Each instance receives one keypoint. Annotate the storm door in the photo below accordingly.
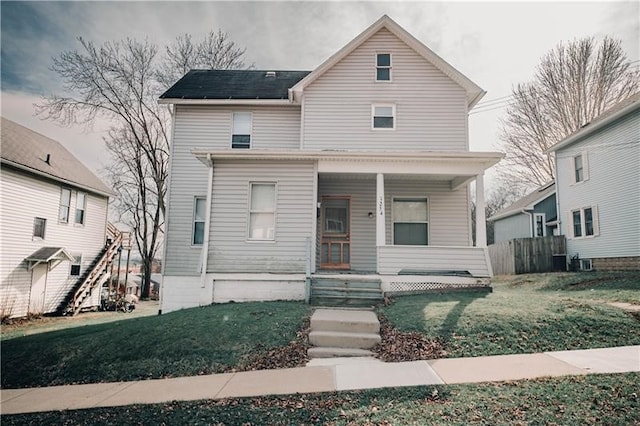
(335, 247)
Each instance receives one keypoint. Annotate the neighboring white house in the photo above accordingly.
(360, 167)
(598, 189)
(533, 215)
(53, 224)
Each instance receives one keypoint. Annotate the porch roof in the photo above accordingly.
(458, 166)
(47, 255)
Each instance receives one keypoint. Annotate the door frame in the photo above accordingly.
(335, 239)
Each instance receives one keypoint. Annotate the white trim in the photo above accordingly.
(271, 102)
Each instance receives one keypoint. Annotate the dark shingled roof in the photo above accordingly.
(234, 84)
(24, 147)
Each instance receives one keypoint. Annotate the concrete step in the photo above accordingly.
(345, 283)
(338, 352)
(340, 339)
(341, 301)
(345, 321)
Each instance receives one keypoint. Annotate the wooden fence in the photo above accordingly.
(527, 255)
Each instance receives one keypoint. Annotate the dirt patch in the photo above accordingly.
(592, 283)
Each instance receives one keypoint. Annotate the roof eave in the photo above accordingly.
(182, 101)
(56, 178)
(590, 128)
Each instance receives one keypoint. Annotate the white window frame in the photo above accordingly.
(373, 116)
(586, 265)
(195, 220)
(595, 225)
(233, 128)
(388, 67)
(76, 262)
(81, 208)
(536, 216)
(44, 228)
(273, 211)
(585, 168)
(393, 221)
(64, 206)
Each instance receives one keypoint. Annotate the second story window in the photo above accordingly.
(241, 136)
(65, 204)
(578, 168)
(383, 116)
(199, 217)
(81, 207)
(383, 67)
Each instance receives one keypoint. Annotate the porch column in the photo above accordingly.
(481, 225)
(380, 216)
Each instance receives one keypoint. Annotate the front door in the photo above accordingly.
(335, 248)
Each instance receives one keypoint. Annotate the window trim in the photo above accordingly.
(595, 224)
(67, 206)
(424, 198)
(44, 229)
(233, 114)
(83, 209)
(373, 116)
(535, 224)
(194, 221)
(585, 168)
(274, 212)
(378, 67)
(77, 262)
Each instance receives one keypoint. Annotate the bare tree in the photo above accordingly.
(573, 84)
(121, 81)
(501, 196)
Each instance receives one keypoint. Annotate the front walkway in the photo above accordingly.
(323, 375)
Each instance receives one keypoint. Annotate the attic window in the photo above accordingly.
(383, 67)
(241, 137)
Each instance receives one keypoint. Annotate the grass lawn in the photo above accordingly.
(526, 313)
(194, 341)
(583, 400)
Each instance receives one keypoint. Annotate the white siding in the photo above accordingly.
(274, 127)
(431, 111)
(23, 198)
(229, 250)
(394, 259)
(516, 226)
(613, 185)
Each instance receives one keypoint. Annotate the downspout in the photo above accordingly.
(207, 224)
(530, 221)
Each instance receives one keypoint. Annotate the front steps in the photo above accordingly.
(345, 291)
(343, 333)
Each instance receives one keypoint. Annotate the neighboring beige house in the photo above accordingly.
(53, 225)
(358, 170)
(598, 190)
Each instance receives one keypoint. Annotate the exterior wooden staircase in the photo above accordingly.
(97, 274)
(345, 291)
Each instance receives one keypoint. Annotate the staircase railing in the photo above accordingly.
(98, 274)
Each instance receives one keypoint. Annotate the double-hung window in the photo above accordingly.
(75, 266)
(383, 116)
(199, 216)
(584, 222)
(81, 207)
(539, 219)
(242, 126)
(580, 167)
(383, 67)
(262, 211)
(65, 205)
(410, 221)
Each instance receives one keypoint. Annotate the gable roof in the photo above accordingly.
(28, 150)
(234, 85)
(474, 92)
(618, 110)
(527, 202)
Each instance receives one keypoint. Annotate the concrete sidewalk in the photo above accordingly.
(323, 375)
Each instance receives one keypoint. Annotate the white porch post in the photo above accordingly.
(380, 215)
(481, 226)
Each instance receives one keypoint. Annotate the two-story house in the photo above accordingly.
(598, 189)
(54, 230)
(359, 168)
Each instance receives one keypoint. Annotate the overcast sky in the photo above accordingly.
(495, 44)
